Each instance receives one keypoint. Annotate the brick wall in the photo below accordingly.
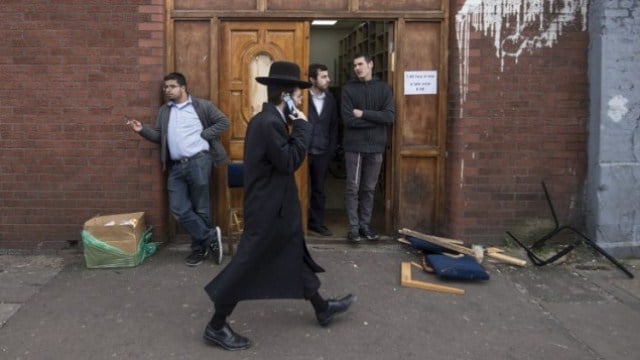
(518, 119)
(70, 72)
(73, 69)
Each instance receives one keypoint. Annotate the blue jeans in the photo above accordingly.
(189, 200)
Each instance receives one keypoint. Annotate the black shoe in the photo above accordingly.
(215, 246)
(353, 236)
(226, 338)
(320, 229)
(368, 233)
(335, 307)
(196, 257)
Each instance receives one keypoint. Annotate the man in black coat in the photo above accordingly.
(272, 261)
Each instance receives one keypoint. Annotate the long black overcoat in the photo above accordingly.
(272, 249)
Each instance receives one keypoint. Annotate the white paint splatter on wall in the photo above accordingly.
(515, 25)
(617, 108)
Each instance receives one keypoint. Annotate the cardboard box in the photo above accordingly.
(123, 231)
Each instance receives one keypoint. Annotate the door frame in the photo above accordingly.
(399, 19)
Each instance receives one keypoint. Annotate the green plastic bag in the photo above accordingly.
(98, 254)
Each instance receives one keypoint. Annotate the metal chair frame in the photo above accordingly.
(582, 239)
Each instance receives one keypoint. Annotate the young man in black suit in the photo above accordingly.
(323, 117)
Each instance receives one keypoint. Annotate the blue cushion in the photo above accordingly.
(235, 175)
(460, 268)
(427, 247)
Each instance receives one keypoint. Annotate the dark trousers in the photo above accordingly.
(318, 169)
(311, 284)
(189, 200)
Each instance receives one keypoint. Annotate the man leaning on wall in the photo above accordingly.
(188, 130)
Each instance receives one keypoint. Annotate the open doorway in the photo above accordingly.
(334, 46)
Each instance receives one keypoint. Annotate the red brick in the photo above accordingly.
(151, 9)
(82, 66)
(91, 63)
(157, 26)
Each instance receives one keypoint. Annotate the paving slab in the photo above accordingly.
(21, 278)
(158, 310)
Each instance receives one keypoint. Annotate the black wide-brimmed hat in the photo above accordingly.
(284, 73)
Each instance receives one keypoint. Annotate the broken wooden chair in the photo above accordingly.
(446, 257)
(407, 280)
(437, 244)
(537, 245)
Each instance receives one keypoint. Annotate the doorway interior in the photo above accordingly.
(334, 46)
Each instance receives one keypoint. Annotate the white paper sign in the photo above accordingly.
(420, 82)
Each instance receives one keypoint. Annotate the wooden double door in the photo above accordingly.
(247, 51)
(222, 58)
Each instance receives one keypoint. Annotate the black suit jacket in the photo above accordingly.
(324, 133)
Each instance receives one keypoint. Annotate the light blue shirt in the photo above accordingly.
(183, 135)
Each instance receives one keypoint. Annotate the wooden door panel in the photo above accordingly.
(406, 5)
(238, 126)
(421, 118)
(246, 50)
(420, 135)
(192, 50)
(417, 192)
(232, 84)
(241, 43)
(421, 125)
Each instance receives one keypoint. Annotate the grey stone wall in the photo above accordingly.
(613, 179)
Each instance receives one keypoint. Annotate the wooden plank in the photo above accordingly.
(405, 5)
(444, 242)
(407, 281)
(405, 241)
(236, 5)
(325, 5)
(506, 258)
(498, 254)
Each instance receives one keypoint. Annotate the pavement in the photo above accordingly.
(53, 307)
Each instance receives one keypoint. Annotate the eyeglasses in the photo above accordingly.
(170, 86)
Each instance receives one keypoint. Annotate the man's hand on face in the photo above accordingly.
(301, 116)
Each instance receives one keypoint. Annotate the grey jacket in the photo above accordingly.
(214, 123)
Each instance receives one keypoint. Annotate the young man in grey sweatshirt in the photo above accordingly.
(367, 112)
